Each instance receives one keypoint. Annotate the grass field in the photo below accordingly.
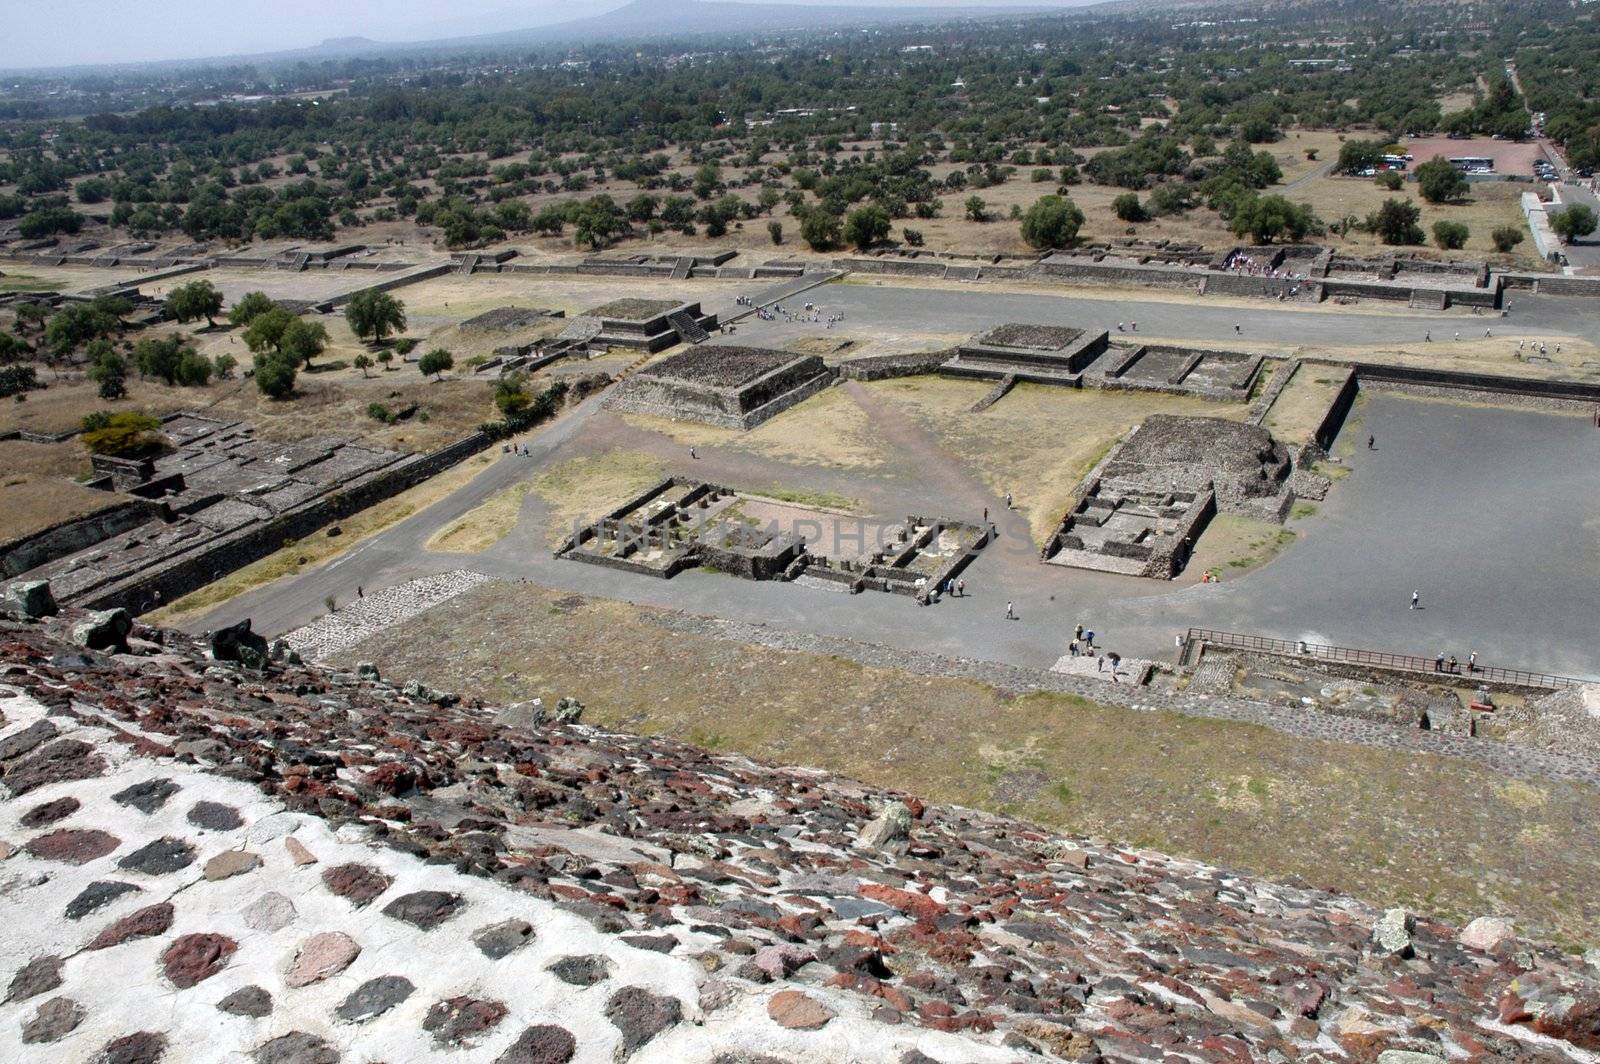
(483, 526)
(581, 489)
(1302, 406)
(1038, 442)
(1351, 818)
(1232, 546)
(30, 504)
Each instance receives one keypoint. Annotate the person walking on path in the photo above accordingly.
(693, 457)
(961, 589)
(1372, 442)
(1008, 501)
(1472, 662)
(1238, 330)
(1011, 614)
(1416, 599)
(1077, 633)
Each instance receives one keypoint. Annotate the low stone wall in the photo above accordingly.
(69, 537)
(883, 367)
(390, 283)
(1479, 382)
(1328, 428)
(187, 571)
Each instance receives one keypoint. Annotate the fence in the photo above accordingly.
(1379, 659)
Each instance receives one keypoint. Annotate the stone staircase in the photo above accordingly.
(681, 271)
(469, 263)
(998, 392)
(687, 328)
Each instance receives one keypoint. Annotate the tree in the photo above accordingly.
(977, 210)
(1129, 209)
(195, 300)
(121, 435)
(1390, 181)
(267, 328)
(1506, 237)
(249, 308)
(194, 369)
(435, 362)
(820, 229)
(1053, 222)
(1358, 155)
(1439, 182)
(1396, 222)
(384, 358)
(867, 225)
(364, 363)
(224, 366)
(77, 324)
(109, 371)
(775, 231)
(913, 237)
(1451, 236)
(1577, 220)
(274, 375)
(1267, 218)
(158, 358)
(303, 340)
(375, 314)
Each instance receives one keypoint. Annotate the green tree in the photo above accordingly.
(121, 435)
(194, 369)
(267, 328)
(1506, 237)
(364, 363)
(913, 237)
(77, 324)
(158, 358)
(977, 209)
(775, 231)
(820, 229)
(1451, 236)
(375, 314)
(1052, 222)
(1269, 218)
(706, 181)
(303, 340)
(1439, 182)
(1389, 181)
(1396, 222)
(195, 300)
(867, 225)
(435, 362)
(249, 308)
(274, 375)
(224, 365)
(109, 370)
(1574, 222)
(1128, 208)
(384, 358)
(1358, 155)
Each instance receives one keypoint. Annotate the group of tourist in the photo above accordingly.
(1440, 664)
(1246, 265)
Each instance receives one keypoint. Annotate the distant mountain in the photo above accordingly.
(663, 18)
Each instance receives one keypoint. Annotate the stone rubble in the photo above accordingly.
(367, 616)
(205, 862)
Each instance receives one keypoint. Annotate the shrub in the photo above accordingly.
(274, 375)
(1129, 209)
(121, 435)
(1506, 237)
(379, 412)
(15, 380)
(1390, 181)
(1053, 222)
(1452, 236)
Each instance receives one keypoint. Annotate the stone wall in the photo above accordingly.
(69, 537)
(190, 570)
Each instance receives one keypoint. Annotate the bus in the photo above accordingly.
(1473, 164)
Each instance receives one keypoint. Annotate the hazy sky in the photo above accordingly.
(65, 32)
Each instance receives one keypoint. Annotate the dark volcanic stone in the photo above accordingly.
(149, 921)
(238, 643)
(375, 997)
(502, 939)
(104, 630)
(457, 1020)
(38, 976)
(249, 1001)
(28, 739)
(424, 909)
(159, 857)
(148, 796)
(72, 846)
(143, 1047)
(297, 1047)
(60, 762)
(214, 816)
(193, 959)
(356, 883)
(50, 812)
(653, 943)
(582, 970)
(641, 1015)
(54, 1020)
(96, 896)
(544, 1044)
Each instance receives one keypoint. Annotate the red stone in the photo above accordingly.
(193, 959)
(147, 922)
(72, 846)
(798, 1012)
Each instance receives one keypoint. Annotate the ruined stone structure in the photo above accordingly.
(650, 324)
(681, 523)
(1046, 354)
(207, 861)
(1143, 510)
(725, 386)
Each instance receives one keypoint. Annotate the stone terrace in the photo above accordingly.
(205, 862)
(726, 386)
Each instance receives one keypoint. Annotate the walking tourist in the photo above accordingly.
(1416, 599)
(1011, 614)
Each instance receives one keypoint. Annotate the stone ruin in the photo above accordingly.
(650, 325)
(726, 386)
(1075, 358)
(681, 523)
(207, 860)
(1143, 510)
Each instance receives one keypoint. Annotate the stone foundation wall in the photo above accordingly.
(69, 537)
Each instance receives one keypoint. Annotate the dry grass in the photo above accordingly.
(1488, 206)
(1351, 818)
(320, 548)
(459, 298)
(61, 406)
(581, 489)
(1038, 442)
(828, 430)
(67, 461)
(1232, 546)
(483, 526)
(1301, 407)
(30, 504)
